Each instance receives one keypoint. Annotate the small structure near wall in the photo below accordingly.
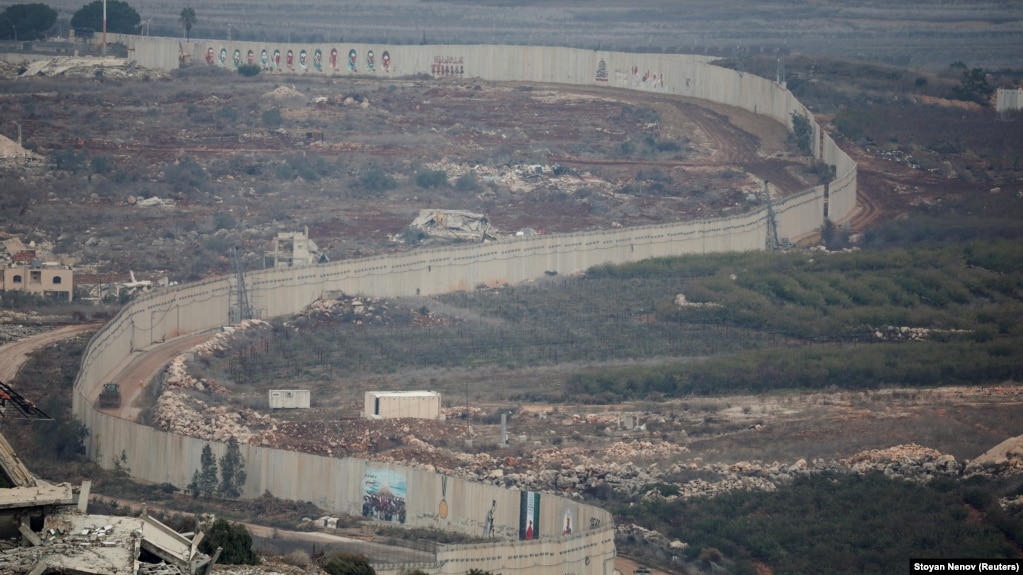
(289, 399)
(396, 404)
(292, 249)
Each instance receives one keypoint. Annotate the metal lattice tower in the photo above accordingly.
(242, 307)
(772, 222)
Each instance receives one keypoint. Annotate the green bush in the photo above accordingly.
(375, 180)
(340, 563)
(432, 179)
(272, 118)
(249, 70)
(235, 541)
(467, 182)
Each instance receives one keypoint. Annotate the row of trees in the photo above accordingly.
(33, 21)
(232, 473)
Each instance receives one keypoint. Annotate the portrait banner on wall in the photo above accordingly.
(529, 515)
(383, 495)
(566, 523)
(264, 58)
(237, 57)
(488, 522)
(277, 58)
(352, 60)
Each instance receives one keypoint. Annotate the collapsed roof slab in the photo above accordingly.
(22, 497)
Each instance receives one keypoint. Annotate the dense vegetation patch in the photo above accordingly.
(851, 524)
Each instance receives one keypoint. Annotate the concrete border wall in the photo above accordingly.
(339, 485)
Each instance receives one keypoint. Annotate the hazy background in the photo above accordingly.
(983, 33)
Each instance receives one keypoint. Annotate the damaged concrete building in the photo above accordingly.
(45, 528)
(290, 249)
(454, 224)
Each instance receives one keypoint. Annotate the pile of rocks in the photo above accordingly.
(910, 461)
(903, 333)
(176, 376)
(1004, 458)
(178, 413)
(345, 309)
(221, 342)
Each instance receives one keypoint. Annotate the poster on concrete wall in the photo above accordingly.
(529, 515)
(383, 495)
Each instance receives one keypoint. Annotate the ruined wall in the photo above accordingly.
(431, 500)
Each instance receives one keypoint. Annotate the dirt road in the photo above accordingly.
(141, 370)
(13, 355)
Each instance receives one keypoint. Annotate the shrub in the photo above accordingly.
(432, 179)
(102, 164)
(249, 70)
(233, 538)
(339, 563)
(272, 118)
(467, 182)
(376, 181)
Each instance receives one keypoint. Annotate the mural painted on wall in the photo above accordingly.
(250, 58)
(371, 65)
(383, 495)
(442, 509)
(264, 59)
(223, 57)
(333, 59)
(277, 59)
(385, 59)
(353, 57)
(236, 57)
(289, 58)
(303, 59)
(318, 60)
(448, 66)
(634, 78)
(488, 523)
(602, 71)
(567, 527)
(529, 515)
(209, 56)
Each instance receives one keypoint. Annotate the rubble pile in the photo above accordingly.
(176, 376)
(178, 413)
(221, 342)
(903, 333)
(283, 93)
(909, 461)
(1004, 458)
(345, 309)
(88, 67)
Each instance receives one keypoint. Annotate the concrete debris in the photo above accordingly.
(454, 224)
(153, 202)
(74, 542)
(86, 66)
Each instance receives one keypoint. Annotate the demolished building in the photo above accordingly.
(454, 224)
(45, 528)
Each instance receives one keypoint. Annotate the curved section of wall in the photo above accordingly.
(342, 485)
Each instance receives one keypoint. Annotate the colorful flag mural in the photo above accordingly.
(529, 515)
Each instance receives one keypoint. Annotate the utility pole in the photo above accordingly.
(103, 50)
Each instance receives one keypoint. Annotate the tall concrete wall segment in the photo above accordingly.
(426, 498)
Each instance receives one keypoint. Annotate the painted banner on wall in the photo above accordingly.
(383, 495)
(529, 515)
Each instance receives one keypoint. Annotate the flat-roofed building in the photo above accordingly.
(395, 404)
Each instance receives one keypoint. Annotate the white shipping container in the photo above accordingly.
(289, 399)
